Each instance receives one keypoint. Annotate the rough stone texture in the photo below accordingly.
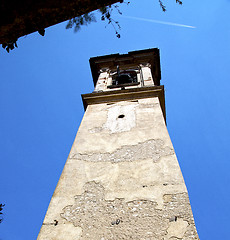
(118, 219)
(153, 149)
(121, 179)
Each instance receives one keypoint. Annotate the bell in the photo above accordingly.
(124, 78)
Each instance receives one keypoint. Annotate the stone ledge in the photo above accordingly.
(124, 95)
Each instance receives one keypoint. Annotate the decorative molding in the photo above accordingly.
(145, 65)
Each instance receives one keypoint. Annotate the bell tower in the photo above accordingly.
(122, 179)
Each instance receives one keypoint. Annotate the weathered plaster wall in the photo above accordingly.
(121, 179)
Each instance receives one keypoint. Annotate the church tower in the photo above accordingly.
(122, 179)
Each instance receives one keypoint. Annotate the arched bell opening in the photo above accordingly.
(124, 78)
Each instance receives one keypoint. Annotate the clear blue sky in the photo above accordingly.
(41, 84)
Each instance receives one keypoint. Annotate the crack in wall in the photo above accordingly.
(153, 149)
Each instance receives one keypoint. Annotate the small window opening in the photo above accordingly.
(121, 116)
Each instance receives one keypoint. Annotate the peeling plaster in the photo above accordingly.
(153, 149)
(177, 228)
(139, 219)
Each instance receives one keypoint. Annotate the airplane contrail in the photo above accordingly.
(157, 21)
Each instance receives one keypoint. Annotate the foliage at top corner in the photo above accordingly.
(106, 15)
(87, 18)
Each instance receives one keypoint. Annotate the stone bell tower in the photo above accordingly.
(122, 179)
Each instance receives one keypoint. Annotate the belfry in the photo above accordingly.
(122, 179)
